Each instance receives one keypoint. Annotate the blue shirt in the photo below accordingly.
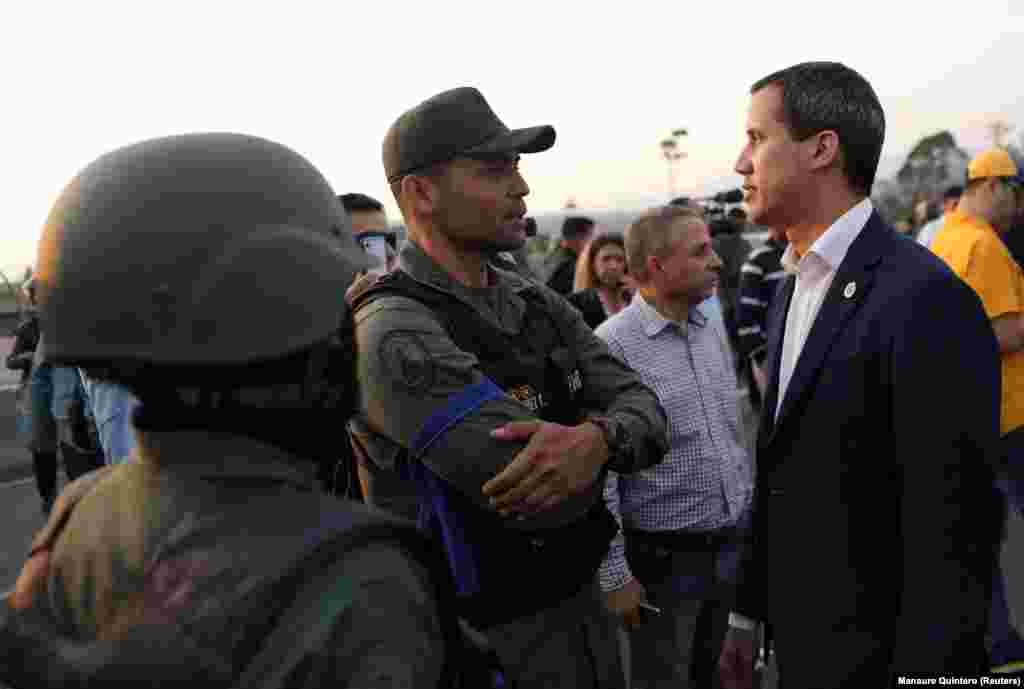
(112, 406)
(704, 483)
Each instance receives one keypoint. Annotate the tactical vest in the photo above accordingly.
(490, 561)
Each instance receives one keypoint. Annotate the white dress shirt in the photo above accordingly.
(814, 273)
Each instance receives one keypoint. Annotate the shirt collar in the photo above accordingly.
(832, 246)
(653, 322)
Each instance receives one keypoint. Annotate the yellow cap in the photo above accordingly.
(995, 162)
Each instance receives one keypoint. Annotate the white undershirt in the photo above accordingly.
(815, 271)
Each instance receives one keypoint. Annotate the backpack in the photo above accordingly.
(468, 663)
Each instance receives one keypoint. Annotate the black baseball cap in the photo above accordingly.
(455, 123)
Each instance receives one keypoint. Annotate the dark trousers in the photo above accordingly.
(44, 466)
(76, 462)
(1006, 643)
(808, 660)
(691, 578)
(571, 644)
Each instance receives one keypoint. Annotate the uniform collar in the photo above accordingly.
(653, 322)
(419, 265)
(507, 286)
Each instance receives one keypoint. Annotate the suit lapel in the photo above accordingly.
(776, 329)
(849, 287)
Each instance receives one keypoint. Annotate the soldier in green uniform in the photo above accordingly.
(506, 408)
(214, 560)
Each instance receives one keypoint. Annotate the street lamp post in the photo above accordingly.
(671, 151)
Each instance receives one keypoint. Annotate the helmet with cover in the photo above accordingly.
(198, 263)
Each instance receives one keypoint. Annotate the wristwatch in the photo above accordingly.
(616, 437)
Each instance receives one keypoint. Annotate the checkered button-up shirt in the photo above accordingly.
(704, 483)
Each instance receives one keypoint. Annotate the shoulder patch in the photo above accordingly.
(406, 362)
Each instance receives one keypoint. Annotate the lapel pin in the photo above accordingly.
(851, 289)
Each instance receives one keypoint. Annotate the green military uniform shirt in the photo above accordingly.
(409, 367)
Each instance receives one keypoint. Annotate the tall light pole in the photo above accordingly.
(671, 151)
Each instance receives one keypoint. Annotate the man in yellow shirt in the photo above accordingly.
(971, 242)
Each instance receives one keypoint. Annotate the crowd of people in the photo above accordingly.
(426, 464)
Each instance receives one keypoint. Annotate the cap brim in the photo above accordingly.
(528, 140)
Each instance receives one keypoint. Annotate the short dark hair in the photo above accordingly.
(817, 96)
(360, 202)
(954, 192)
(680, 201)
(576, 226)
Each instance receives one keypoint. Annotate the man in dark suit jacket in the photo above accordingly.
(875, 520)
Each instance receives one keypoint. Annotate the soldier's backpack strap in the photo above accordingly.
(397, 283)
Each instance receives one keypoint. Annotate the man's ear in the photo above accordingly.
(420, 193)
(824, 149)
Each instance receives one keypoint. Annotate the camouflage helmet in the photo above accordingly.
(199, 249)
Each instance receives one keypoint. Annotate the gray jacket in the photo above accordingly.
(409, 367)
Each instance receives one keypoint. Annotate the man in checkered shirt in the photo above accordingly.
(681, 518)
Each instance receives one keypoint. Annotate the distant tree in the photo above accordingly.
(934, 164)
(930, 160)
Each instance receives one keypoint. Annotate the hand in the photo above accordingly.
(624, 603)
(31, 580)
(736, 663)
(558, 461)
